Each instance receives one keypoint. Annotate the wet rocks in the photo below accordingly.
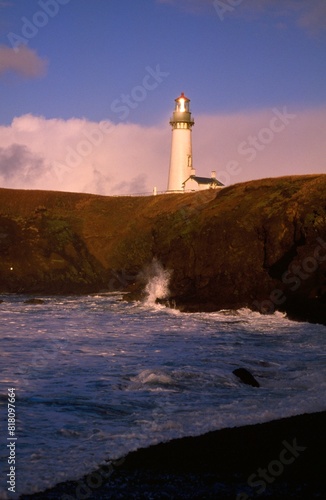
(34, 301)
(246, 377)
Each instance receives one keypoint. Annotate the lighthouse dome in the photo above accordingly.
(182, 112)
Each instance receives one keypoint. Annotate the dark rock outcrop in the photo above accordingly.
(34, 301)
(259, 244)
(246, 377)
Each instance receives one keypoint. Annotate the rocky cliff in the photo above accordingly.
(259, 244)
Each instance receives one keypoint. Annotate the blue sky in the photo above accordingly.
(124, 62)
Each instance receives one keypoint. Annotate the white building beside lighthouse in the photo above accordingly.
(182, 175)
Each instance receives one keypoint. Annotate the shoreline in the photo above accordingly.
(280, 459)
(41, 298)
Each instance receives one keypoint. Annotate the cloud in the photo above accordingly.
(307, 14)
(83, 156)
(24, 62)
(106, 158)
(19, 164)
(136, 185)
(259, 144)
(313, 18)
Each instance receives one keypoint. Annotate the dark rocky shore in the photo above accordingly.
(259, 244)
(282, 459)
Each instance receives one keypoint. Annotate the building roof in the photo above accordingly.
(183, 97)
(205, 180)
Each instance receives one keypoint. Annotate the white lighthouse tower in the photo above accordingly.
(181, 150)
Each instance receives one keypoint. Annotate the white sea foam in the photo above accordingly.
(153, 380)
(157, 282)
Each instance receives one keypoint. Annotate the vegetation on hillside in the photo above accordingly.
(259, 244)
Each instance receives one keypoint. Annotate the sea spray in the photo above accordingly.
(157, 282)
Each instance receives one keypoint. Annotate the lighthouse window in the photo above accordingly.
(182, 105)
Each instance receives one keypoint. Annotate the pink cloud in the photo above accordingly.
(107, 158)
(245, 146)
(24, 62)
(313, 18)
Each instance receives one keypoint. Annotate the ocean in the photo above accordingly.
(96, 377)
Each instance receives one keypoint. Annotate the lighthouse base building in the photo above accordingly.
(195, 183)
(182, 175)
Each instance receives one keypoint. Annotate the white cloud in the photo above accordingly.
(106, 158)
(23, 61)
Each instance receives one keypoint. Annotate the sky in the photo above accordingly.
(87, 88)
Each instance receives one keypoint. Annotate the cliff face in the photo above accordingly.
(260, 244)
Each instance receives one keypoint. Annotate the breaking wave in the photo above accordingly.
(157, 282)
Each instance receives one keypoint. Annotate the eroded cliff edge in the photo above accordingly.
(259, 244)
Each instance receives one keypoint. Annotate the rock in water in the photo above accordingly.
(246, 377)
(34, 301)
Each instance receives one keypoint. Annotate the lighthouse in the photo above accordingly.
(181, 150)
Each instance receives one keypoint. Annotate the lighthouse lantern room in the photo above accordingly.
(181, 149)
